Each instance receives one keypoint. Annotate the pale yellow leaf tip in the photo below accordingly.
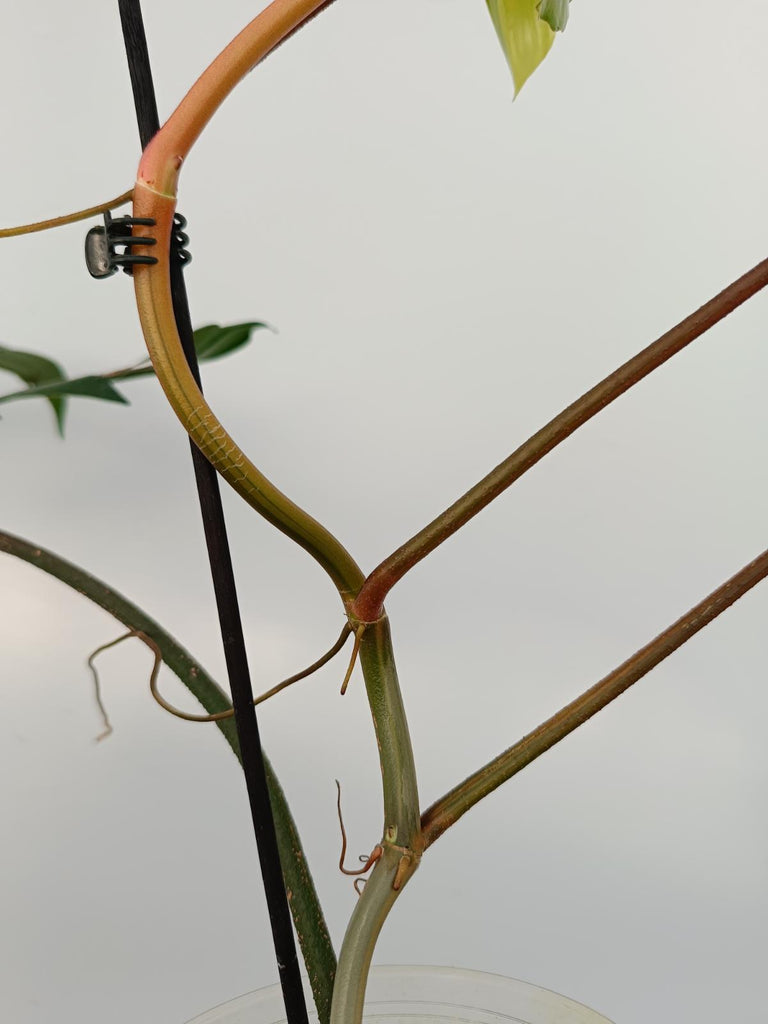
(524, 37)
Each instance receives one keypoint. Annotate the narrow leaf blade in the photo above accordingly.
(525, 38)
(34, 370)
(85, 387)
(31, 367)
(213, 341)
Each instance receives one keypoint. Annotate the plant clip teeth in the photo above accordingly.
(180, 239)
(108, 247)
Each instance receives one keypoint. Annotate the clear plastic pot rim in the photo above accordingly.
(438, 995)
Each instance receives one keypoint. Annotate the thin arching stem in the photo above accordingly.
(446, 811)
(187, 716)
(367, 606)
(68, 218)
(278, 688)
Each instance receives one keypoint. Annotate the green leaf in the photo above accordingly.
(34, 370)
(213, 341)
(46, 378)
(555, 13)
(86, 387)
(525, 38)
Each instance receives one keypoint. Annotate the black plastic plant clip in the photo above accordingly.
(108, 246)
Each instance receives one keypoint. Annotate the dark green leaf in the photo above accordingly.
(203, 337)
(213, 341)
(131, 372)
(87, 387)
(46, 378)
(33, 370)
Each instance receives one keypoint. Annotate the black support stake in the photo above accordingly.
(223, 577)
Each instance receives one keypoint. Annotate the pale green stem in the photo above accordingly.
(401, 841)
(401, 796)
(360, 939)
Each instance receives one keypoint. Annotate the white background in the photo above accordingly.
(447, 269)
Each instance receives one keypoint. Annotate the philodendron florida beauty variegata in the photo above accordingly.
(526, 30)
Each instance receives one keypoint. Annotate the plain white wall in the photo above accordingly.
(447, 269)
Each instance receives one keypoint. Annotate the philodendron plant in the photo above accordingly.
(526, 30)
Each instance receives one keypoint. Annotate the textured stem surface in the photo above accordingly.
(401, 841)
(153, 297)
(401, 796)
(154, 197)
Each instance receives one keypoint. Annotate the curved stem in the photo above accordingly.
(401, 796)
(154, 198)
(401, 843)
(158, 325)
(369, 915)
(314, 938)
(271, 692)
(446, 811)
(368, 604)
(163, 157)
(68, 218)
